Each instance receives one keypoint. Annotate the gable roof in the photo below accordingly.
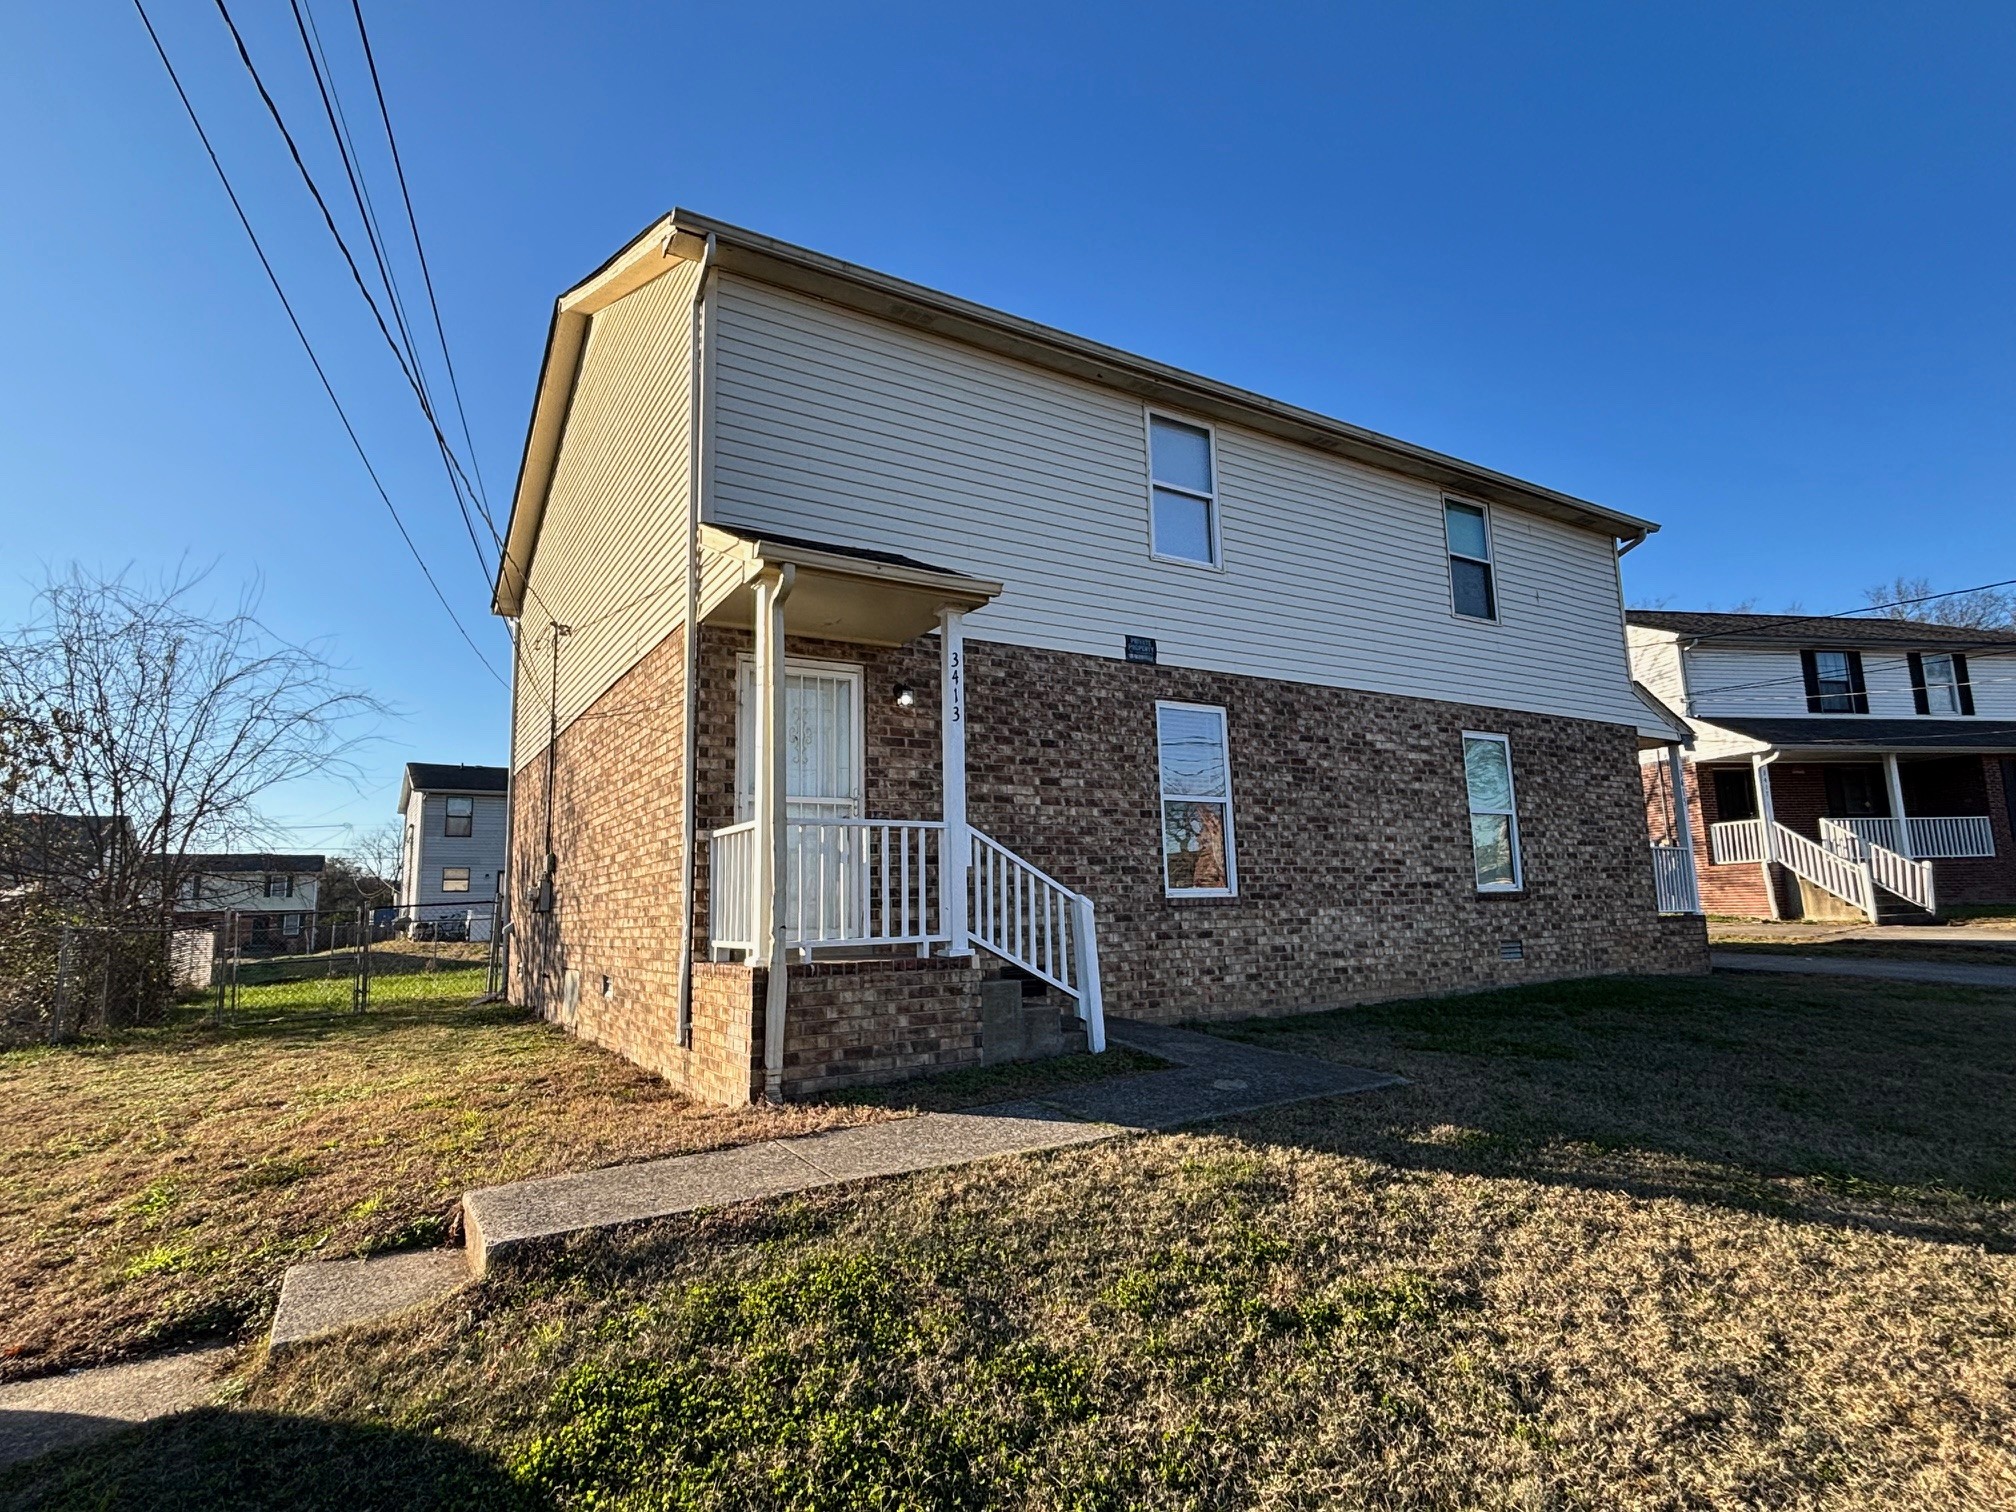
(236, 862)
(444, 777)
(684, 236)
(1819, 630)
(1860, 732)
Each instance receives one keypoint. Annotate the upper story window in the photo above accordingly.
(1834, 682)
(1183, 492)
(461, 818)
(1197, 856)
(1939, 683)
(1494, 816)
(280, 887)
(1467, 529)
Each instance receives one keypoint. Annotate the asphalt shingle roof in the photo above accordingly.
(440, 777)
(1793, 630)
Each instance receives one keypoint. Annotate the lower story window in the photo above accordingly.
(1196, 768)
(1494, 818)
(290, 924)
(454, 879)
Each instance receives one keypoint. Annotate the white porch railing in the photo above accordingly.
(1032, 920)
(877, 882)
(1909, 879)
(1846, 877)
(867, 882)
(1933, 838)
(1674, 881)
(1736, 840)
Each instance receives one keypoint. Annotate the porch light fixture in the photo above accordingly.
(906, 696)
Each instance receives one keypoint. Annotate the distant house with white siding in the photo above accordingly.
(269, 896)
(453, 851)
(1840, 766)
(881, 656)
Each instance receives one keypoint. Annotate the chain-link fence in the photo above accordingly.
(410, 956)
(60, 978)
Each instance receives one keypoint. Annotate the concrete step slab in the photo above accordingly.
(56, 1412)
(326, 1296)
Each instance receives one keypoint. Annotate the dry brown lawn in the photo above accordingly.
(158, 1185)
(1745, 1242)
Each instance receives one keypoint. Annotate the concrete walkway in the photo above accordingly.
(1943, 973)
(1208, 1078)
(56, 1412)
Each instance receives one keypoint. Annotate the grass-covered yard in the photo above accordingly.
(1623, 1244)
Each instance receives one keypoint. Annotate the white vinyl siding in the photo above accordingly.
(842, 428)
(609, 550)
(1766, 682)
(429, 850)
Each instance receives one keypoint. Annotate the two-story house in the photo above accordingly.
(270, 896)
(874, 648)
(452, 853)
(1840, 767)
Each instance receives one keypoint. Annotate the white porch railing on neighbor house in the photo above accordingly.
(877, 882)
(1909, 879)
(868, 882)
(1736, 840)
(1674, 880)
(1938, 838)
(1846, 877)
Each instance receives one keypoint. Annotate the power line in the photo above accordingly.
(307, 346)
(426, 273)
(1770, 623)
(448, 456)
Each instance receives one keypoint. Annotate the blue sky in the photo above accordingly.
(1743, 269)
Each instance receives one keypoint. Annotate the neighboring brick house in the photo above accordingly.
(272, 897)
(452, 853)
(1814, 737)
(872, 646)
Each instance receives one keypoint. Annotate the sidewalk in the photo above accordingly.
(1209, 1078)
(1943, 973)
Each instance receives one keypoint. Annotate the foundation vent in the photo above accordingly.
(1511, 950)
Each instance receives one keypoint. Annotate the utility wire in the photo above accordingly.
(356, 274)
(307, 346)
(1770, 623)
(426, 274)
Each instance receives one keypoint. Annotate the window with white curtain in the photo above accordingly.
(1196, 766)
(1494, 817)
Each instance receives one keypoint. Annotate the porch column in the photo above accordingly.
(772, 834)
(1683, 819)
(957, 856)
(1760, 771)
(1895, 783)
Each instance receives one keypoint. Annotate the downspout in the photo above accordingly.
(773, 754)
(1760, 763)
(505, 881)
(695, 507)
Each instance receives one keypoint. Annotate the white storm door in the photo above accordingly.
(823, 756)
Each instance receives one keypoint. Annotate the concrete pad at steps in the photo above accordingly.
(55, 1412)
(326, 1296)
(944, 1139)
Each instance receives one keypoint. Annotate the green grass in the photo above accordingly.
(1624, 1244)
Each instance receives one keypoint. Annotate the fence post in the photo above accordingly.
(65, 963)
(361, 996)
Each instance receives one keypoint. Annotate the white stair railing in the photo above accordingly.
(1031, 920)
(1846, 877)
(1908, 879)
(1673, 881)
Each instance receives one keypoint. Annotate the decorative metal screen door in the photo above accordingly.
(822, 784)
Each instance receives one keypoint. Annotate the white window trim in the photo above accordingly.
(1950, 687)
(1148, 418)
(1231, 888)
(745, 666)
(1489, 563)
(1518, 882)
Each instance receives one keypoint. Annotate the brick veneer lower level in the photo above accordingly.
(1353, 853)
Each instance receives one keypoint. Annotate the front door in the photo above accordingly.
(823, 752)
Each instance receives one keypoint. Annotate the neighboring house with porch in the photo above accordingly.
(881, 659)
(272, 897)
(1840, 767)
(453, 850)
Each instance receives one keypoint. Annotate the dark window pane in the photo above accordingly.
(1471, 582)
(1193, 845)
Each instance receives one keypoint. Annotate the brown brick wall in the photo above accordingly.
(852, 1023)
